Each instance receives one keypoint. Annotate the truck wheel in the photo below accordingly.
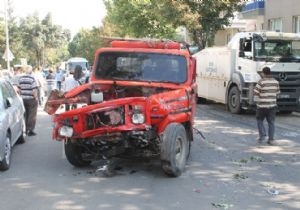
(74, 154)
(5, 163)
(234, 103)
(201, 100)
(174, 150)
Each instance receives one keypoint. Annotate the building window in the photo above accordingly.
(296, 24)
(275, 24)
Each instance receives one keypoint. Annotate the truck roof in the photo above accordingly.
(77, 59)
(271, 35)
(147, 46)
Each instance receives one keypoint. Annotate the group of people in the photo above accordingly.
(29, 84)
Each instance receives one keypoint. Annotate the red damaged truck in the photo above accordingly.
(140, 103)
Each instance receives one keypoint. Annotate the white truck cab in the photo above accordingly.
(72, 62)
(228, 74)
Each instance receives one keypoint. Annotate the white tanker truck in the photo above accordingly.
(228, 74)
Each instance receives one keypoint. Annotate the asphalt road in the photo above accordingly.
(227, 170)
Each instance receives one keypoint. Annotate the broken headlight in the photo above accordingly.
(65, 131)
(138, 118)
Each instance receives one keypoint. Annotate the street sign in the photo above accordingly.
(8, 56)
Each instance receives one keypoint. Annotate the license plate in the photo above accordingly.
(284, 96)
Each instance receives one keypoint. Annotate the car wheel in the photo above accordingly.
(74, 154)
(21, 139)
(5, 163)
(174, 149)
(234, 103)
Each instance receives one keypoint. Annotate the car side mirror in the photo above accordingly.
(242, 54)
(8, 103)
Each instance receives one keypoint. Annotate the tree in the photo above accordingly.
(204, 18)
(155, 18)
(85, 43)
(40, 36)
(139, 18)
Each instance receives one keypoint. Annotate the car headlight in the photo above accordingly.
(65, 131)
(138, 118)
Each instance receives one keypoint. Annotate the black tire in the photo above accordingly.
(174, 150)
(21, 139)
(74, 154)
(201, 100)
(234, 102)
(5, 163)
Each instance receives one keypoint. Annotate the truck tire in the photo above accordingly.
(74, 154)
(234, 103)
(174, 149)
(5, 163)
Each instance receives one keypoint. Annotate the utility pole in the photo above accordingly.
(7, 34)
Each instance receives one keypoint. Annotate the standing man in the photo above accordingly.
(59, 77)
(40, 84)
(51, 82)
(28, 91)
(266, 90)
(71, 82)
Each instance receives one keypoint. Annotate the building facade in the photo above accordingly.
(268, 15)
(282, 15)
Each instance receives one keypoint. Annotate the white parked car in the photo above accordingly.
(12, 122)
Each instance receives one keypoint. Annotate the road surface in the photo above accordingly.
(226, 170)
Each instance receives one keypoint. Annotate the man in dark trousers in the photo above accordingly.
(266, 91)
(28, 91)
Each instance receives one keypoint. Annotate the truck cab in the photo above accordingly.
(72, 62)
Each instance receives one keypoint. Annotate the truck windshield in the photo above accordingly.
(137, 66)
(277, 50)
(72, 65)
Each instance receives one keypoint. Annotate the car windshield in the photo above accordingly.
(137, 66)
(278, 50)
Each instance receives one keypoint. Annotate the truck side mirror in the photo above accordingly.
(242, 54)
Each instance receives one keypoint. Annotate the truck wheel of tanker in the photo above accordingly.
(74, 154)
(201, 100)
(234, 103)
(174, 150)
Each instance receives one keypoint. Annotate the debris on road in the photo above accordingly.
(222, 205)
(273, 192)
(240, 176)
(199, 132)
(105, 171)
(243, 161)
(197, 190)
(132, 171)
(257, 158)
(251, 159)
(278, 163)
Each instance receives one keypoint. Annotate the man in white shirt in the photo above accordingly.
(71, 82)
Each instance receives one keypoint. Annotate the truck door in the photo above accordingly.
(245, 56)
